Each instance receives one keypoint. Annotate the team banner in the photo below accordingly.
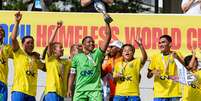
(184, 30)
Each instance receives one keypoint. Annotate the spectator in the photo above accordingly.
(37, 5)
(88, 5)
(191, 6)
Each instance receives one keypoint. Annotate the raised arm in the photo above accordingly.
(179, 57)
(51, 41)
(193, 59)
(108, 1)
(27, 1)
(144, 54)
(85, 2)
(186, 5)
(107, 39)
(15, 44)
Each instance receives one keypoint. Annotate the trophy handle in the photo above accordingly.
(107, 18)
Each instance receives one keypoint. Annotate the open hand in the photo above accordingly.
(69, 93)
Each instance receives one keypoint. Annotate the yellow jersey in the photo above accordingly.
(193, 94)
(165, 88)
(128, 85)
(25, 72)
(6, 52)
(57, 75)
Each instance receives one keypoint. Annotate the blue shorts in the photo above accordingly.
(3, 91)
(126, 98)
(167, 99)
(19, 96)
(52, 96)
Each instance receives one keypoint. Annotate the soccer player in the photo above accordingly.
(5, 53)
(192, 93)
(162, 66)
(86, 67)
(26, 65)
(127, 73)
(57, 70)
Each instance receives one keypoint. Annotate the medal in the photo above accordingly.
(91, 59)
(30, 70)
(166, 64)
(164, 77)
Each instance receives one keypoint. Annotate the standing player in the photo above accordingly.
(162, 66)
(86, 67)
(26, 64)
(5, 53)
(127, 73)
(57, 70)
(191, 93)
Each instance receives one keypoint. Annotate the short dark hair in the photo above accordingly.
(187, 59)
(26, 37)
(130, 45)
(169, 39)
(86, 38)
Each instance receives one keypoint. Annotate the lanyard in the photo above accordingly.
(123, 67)
(61, 70)
(30, 60)
(91, 59)
(166, 64)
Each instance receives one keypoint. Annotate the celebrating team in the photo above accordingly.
(114, 62)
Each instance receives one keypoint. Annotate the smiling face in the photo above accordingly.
(128, 52)
(88, 44)
(164, 45)
(28, 45)
(114, 50)
(58, 49)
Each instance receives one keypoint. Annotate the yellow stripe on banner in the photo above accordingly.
(185, 30)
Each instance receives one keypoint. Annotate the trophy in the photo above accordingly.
(100, 7)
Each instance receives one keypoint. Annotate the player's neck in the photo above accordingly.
(166, 52)
(128, 60)
(86, 52)
(117, 55)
